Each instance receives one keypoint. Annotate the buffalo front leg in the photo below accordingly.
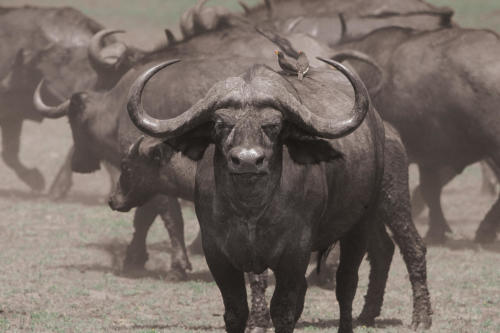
(174, 223)
(380, 252)
(432, 181)
(487, 231)
(137, 254)
(352, 250)
(11, 136)
(231, 283)
(287, 302)
(64, 178)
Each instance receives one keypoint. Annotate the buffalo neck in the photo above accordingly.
(248, 196)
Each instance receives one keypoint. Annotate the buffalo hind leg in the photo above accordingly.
(64, 178)
(490, 175)
(417, 202)
(174, 223)
(259, 314)
(11, 136)
(231, 283)
(432, 181)
(352, 250)
(487, 231)
(394, 210)
(195, 248)
(137, 254)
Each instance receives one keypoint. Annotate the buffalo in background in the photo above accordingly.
(49, 43)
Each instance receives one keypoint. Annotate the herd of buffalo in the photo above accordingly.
(282, 155)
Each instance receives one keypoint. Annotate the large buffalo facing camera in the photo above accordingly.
(285, 167)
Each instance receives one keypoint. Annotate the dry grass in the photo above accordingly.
(60, 262)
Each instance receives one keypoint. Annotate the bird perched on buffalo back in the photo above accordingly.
(299, 66)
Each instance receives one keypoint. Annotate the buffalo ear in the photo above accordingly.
(155, 150)
(193, 143)
(306, 149)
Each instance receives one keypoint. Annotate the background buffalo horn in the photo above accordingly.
(95, 47)
(243, 5)
(269, 7)
(49, 111)
(360, 56)
(165, 128)
(170, 37)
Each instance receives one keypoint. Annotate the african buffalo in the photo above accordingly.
(283, 169)
(442, 95)
(41, 42)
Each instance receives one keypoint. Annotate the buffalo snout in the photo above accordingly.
(247, 160)
(117, 202)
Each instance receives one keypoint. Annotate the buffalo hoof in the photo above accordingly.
(59, 191)
(181, 262)
(435, 238)
(34, 179)
(134, 261)
(176, 275)
(366, 319)
(485, 236)
(255, 330)
(421, 321)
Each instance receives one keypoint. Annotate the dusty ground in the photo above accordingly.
(60, 262)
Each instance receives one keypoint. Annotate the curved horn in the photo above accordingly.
(343, 26)
(95, 47)
(200, 112)
(170, 37)
(243, 5)
(329, 128)
(49, 111)
(360, 56)
(294, 23)
(134, 147)
(269, 8)
(164, 128)
(198, 24)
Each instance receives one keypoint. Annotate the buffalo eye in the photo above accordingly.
(222, 128)
(125, 168)
(271, 130)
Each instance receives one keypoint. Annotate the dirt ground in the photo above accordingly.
(60, 262)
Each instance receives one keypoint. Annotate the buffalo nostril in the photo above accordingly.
(235, 160)
(259, 161)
